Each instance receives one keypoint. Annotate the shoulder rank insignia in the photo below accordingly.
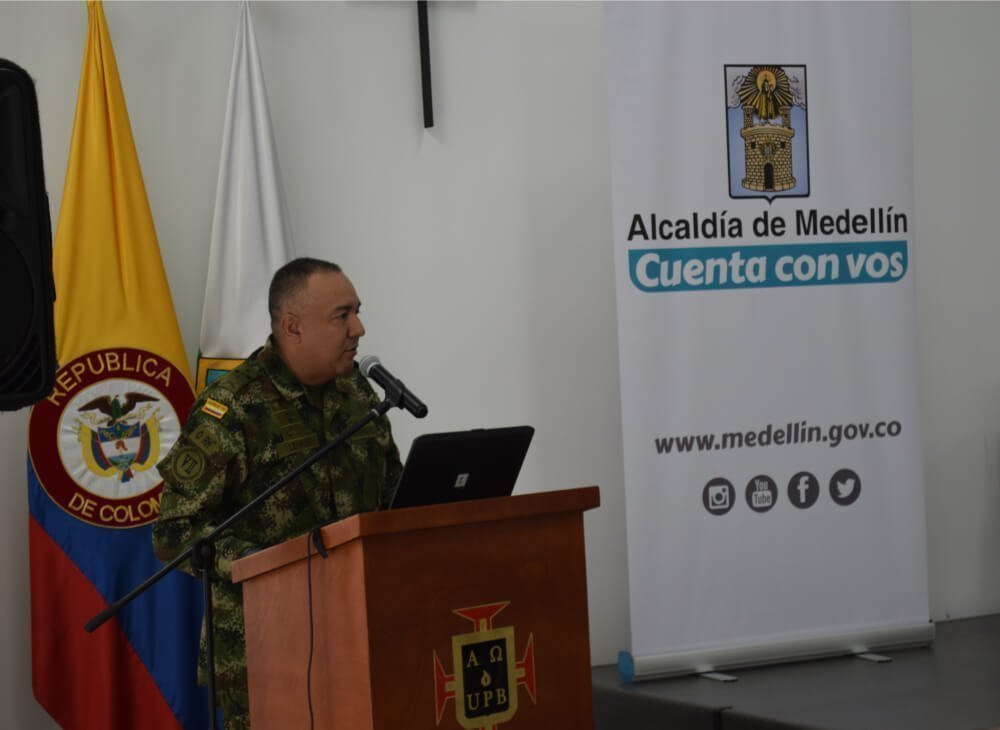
(214, 409)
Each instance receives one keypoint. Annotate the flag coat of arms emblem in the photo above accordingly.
(122, 447)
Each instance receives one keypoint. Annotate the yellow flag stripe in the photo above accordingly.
(111, 289)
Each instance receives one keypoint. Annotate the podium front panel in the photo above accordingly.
(478, 625)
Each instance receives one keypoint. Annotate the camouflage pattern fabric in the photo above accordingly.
(246, 431)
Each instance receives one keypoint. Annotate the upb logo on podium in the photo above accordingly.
(486, 671)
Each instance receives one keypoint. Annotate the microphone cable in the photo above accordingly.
(314, 536)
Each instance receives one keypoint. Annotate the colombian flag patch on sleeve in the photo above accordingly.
(214, 409)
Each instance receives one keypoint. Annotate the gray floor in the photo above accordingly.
(952, 685)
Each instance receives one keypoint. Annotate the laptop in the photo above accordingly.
(462, 465)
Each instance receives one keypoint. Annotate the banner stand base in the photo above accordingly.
(876, 658)
(860, 643)
(719, 677)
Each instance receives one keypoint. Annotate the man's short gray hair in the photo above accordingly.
(289, 281)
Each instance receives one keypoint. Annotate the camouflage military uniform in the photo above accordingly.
(246, 431)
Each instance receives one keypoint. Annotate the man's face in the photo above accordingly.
(326, 313)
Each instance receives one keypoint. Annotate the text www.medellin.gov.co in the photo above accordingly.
(789, 434)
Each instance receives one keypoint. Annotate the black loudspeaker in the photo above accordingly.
(27, 291)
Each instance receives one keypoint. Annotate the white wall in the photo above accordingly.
(957, 175)
(481, 248)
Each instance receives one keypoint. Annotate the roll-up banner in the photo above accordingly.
(763, 243)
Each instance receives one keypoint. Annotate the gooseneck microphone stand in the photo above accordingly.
(201, 553)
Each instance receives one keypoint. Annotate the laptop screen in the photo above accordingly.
(462, 465)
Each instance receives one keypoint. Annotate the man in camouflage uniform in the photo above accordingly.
(254, 425)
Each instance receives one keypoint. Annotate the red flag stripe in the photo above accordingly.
(85, 681)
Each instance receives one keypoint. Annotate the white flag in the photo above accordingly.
(251, 235)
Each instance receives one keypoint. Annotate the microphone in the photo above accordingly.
(372, 368)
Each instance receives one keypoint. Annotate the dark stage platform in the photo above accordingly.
(953, 684)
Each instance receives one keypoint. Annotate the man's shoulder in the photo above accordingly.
(243, 380)
(230, 401)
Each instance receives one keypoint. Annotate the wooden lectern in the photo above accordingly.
(467, 614)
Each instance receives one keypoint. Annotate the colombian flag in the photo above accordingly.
(121, 393)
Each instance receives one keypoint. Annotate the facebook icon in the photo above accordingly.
(803, 490)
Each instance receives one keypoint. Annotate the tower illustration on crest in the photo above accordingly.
(766, 99)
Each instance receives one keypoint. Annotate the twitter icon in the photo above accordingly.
(845, 487)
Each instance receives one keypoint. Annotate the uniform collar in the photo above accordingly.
(290, 386)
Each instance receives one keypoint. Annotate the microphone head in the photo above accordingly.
(366, 364)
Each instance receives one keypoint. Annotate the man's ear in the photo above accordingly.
(289, 326)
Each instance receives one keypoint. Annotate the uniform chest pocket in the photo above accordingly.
(298, 504)
(303, 443)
